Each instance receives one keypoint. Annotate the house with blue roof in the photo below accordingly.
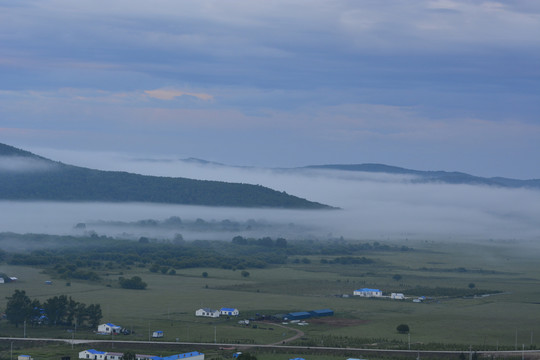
(367, 292)
(194, 355)
(229, 311)
(108, 329)
(93, 354)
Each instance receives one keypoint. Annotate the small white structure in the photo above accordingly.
(366, 292)
(25, 357)
(229, 311)
(397, 296)
(109, 329)
(157, 334)
(207, 312)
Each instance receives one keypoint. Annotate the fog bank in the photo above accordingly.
(374, 206)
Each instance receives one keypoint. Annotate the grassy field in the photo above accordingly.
(505, 319)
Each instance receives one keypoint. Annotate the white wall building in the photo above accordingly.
(92, 354)
(366, 292)
(207, 312)
(229, 311)
(397, 296)
(109, 328)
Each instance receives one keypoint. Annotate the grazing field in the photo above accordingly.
(505, 317)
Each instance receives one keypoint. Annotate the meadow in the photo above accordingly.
(506, 317)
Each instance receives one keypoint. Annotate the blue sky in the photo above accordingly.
(430, 85)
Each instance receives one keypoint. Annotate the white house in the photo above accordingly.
(229, 311)
(157, 334)
(92, 354)
(102, 355)
(397, 296)
(108, 329)
(366, 292)
(207, 312)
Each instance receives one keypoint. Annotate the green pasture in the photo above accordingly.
(507, 318)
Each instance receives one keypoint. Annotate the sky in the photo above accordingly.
(428, 85)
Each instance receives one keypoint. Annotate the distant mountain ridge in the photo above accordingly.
(26, 176)
(453, 177)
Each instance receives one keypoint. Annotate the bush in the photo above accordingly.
(403, 328)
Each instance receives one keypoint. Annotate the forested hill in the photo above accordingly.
(434, 176)
(26, 176)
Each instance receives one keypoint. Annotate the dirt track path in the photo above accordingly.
(299, 333)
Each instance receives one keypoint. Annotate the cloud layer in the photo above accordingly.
(432, 84)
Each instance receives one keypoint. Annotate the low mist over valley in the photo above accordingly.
(372, 205)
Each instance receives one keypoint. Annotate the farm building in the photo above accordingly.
(108, 329)
(299, 315)
(322, 312)
(366, 292)
(157, 334)
(25, 357)
(229, 311)
(195, 355)
(397, 296)
(102, 355)
(207, 312)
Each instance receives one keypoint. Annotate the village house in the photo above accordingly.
(93, 354)
(109, 329)
(397, 296)
(366, 292)
(157, 334)
(207, 312)
(229, 311)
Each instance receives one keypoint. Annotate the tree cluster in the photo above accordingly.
(134, 283)
(58, 310)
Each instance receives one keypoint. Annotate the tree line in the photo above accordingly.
(85, 258)
(55, 311)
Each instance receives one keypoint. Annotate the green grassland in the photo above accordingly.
(508, 271)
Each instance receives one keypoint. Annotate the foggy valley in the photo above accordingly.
(371, 205)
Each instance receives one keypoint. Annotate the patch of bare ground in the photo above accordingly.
(337, 322)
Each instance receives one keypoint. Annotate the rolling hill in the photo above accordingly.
(26, 176)
(434, 176)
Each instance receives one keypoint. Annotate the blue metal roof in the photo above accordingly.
(227, 309)
(368, 289)
(179, 356)
(322, 312)
(112, 325)
(94, 351)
